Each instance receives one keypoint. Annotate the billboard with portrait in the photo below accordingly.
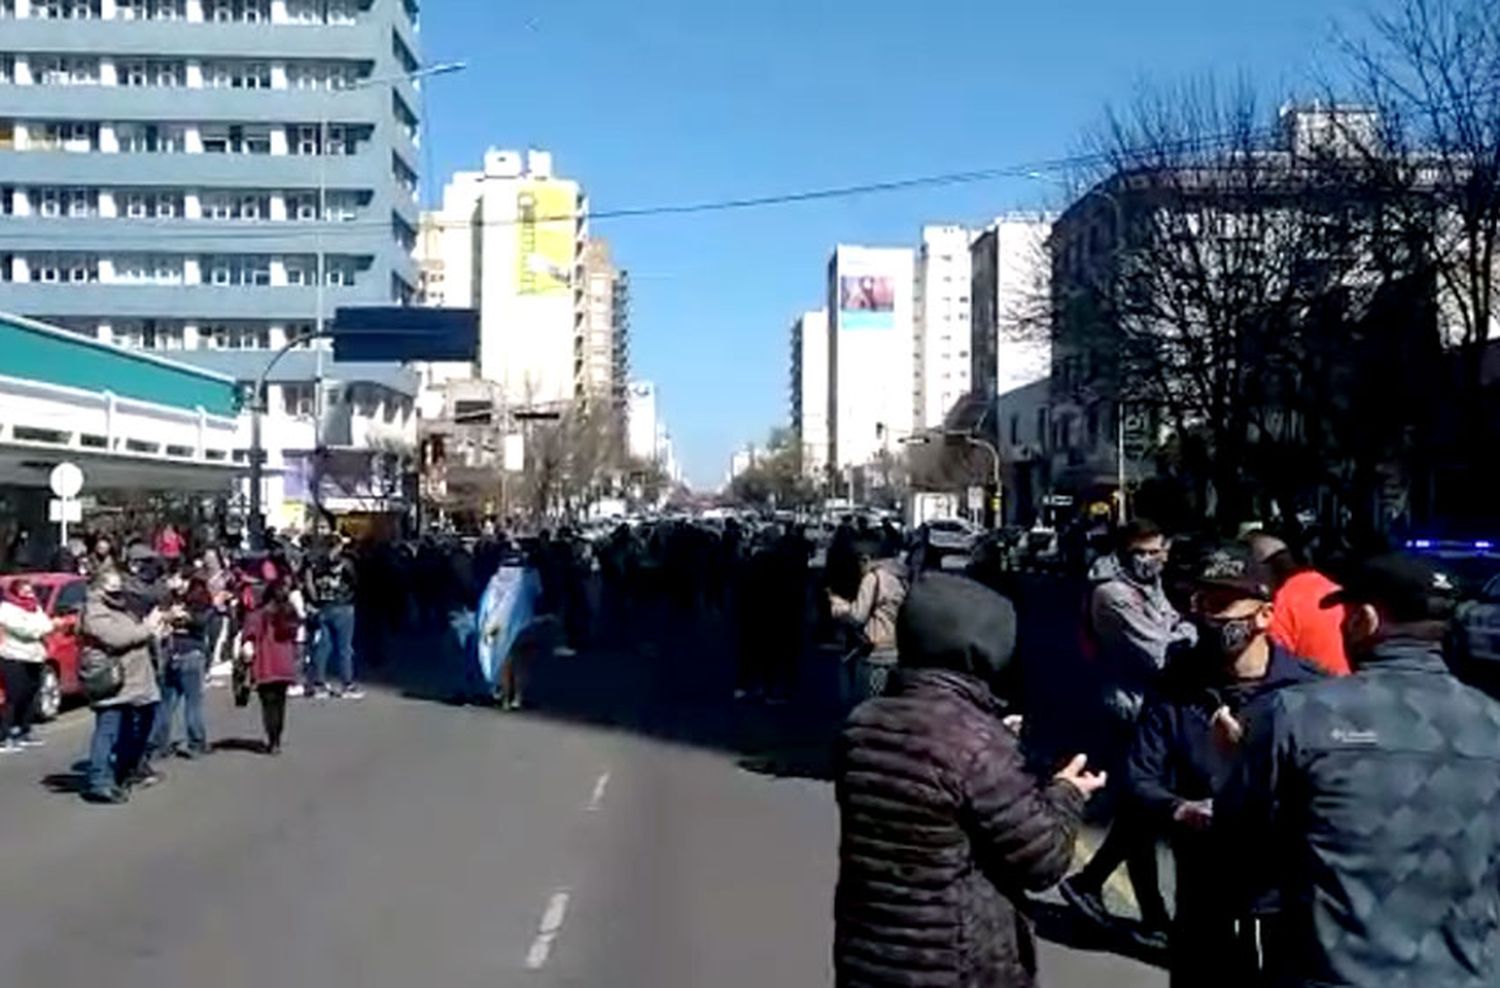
(546, 221)
(867, 301)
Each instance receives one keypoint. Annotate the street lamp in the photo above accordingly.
(1116, 248)
(319, 331)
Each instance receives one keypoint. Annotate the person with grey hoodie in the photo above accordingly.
(1133, 626)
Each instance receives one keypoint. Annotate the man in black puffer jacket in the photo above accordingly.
(942, 828)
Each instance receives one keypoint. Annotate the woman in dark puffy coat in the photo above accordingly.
(941, 825)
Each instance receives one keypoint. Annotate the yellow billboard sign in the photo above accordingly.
(546, 229)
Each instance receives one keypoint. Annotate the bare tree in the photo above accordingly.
(1209, 279)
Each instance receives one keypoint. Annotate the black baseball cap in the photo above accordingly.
(1408, 588)
(1230, 566)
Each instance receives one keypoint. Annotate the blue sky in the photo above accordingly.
(666, 101)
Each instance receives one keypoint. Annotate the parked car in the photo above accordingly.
(62, 596)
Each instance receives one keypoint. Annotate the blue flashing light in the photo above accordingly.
(1420, 543)
(1484, 544)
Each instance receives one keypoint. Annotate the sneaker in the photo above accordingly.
(322, 693)
(296, 689)
(9, 746)
(352, 693)
(30, 741)
(1152, 939)
(273, 749)
(146, 780)
(189, 753)
(1085, 902)
(112, 796)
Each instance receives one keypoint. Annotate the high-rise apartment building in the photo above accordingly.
(1011, 304)
(809, 391)
(601, 347)
(941, 333)
(870, 350)
(511, 246)
(200, 176)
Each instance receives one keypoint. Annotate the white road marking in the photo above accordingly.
(597, 799)
(552, 921)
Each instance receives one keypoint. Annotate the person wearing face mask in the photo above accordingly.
(1133, 626)
(1186, 747)
(1371, 802)
(941, 827)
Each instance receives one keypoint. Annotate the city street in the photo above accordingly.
(634, 828)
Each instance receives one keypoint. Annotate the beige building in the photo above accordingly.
(601, 345)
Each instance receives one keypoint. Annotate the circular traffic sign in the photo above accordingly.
(66, 480)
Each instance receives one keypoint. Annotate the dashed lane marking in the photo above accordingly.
(596, 800)
(552, 921)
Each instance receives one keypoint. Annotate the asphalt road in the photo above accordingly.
(636, 828)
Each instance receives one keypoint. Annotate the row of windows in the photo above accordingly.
(247, 270)
(214, 11)
(90, 70)
(139, 138)
(248, 206)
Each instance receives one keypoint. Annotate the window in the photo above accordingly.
(307, 140)
(302, 206)
(138, 138)
(235, 336)
(215, 140)
(341, 11)
(65, 10)
(82, 202)
(336, 143)
(59, 268)
(301, 271)
(149, 334)
(297, 399)
(248, 206)
(169, 74)
(64, 71)
(132, 73)
(246, 270)
(338, 272)
(136, 207)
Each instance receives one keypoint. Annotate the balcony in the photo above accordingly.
(187, 105)
(371, 36)
(367, 170)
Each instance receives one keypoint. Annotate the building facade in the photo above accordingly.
(941, 329)
(205, 177)
(1010, 279)
(871, 373)
(602, 346)
(511, 245)
(809, 392)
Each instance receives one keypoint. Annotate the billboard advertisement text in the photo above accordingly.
(545, 214)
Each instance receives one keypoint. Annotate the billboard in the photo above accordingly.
(867, 301)
(546, 220)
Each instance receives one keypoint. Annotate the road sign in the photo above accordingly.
(402, 333)
(976, 498)
(66, 480)
(514, 453)
(62, 511)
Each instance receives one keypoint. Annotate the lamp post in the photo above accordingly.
(974, 441)
(319, 330)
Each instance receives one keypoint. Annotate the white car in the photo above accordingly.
(952, 534)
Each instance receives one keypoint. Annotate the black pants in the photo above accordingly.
(23, 680)
(273, 710)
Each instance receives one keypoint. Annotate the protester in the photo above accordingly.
(270, 636)
(1186, 748)
(1371, 802)
(941, 827)
(122, 722)
(24, 627)
(1133, 625)
(331, 593)
(872, 616)
(1301, 624)
(184, 661)
(170, 545)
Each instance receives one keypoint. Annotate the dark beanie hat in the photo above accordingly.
(952, 622)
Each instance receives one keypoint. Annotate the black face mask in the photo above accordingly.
(1231, 637)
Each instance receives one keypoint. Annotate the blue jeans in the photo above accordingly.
(182, 683)
(118, 745)
(335, 639)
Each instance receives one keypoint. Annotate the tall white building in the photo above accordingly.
(510, 244)
(809, 390)
(1011, 304)
(643, 426)
(870, 352)
(941, 334)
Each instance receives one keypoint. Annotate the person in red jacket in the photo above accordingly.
(270, 634)
(1299, 623)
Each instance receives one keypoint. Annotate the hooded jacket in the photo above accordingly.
(875, 606)
(1134, 625)
(941, 827)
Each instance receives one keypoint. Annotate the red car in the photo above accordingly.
(62, 596)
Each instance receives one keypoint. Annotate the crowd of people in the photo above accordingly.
(1325, 777)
